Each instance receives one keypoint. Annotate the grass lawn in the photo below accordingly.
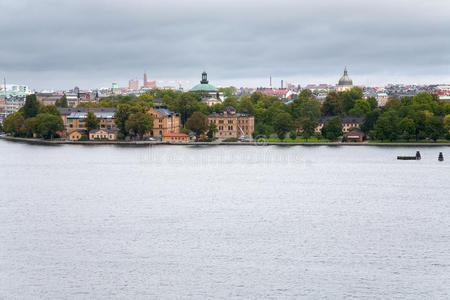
(412, 142)
(297, 140)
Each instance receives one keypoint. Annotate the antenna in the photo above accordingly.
(4, 86)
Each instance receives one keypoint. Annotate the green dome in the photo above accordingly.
(204, 87)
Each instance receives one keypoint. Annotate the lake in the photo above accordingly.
(248, 222)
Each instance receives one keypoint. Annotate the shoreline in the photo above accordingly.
(151, 143)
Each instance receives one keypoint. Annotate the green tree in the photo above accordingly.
(122, 114)
(361, 108)
(91, 121)
(49, 109)
(407, 127)
(332, 129)
(386, 127)
(139, 124)
(370, 120)
(198, 123)
(349, 98)
(212, 130)
(308, 126)
(48, 125)
(332, 105)
(31, 107)
(282, 123)
(434, 128)
(15, 124)
(186, 105)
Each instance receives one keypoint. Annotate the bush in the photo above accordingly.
(84, 137)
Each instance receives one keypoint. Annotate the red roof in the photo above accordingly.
(173, 134)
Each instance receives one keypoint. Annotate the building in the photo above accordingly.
(164, 121)
(382, 98)
(14, 90)
(133, 84)
(355, 135)
(104, 134)
(73, 118)
(345, 83)
(175, 137)
(76, 135)
(232, 125)
(209, 93)
(348, 122)
(10, 105)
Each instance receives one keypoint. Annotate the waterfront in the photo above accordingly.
(223, 222)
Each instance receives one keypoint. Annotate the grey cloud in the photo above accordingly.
(91, 43)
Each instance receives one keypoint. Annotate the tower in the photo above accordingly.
(204, 78)
(145, 79)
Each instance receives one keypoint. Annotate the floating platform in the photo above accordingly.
(416, 157)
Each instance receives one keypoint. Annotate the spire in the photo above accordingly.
(345, 71)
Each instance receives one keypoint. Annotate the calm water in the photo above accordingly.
(110, 222)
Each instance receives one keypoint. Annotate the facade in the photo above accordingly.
(164, 121)
(355, 135)
(104, 134)
(15, 90)
(76, 135)
(10, 105)
(133, 84)
(347, 123)
(209, 93)
(175, 137)
(345, 83)
(73, 118)
(232, 125)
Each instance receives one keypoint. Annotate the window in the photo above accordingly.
(230, 121)
(220, 121)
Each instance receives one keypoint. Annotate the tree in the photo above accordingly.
(212, 130)
(447, 123)
(91, 121)
(186, 105)
(15, 124)
(349, 98)
(434, 128)
(198, 123)
(407, 127)
(139, 124)
(47, 125)
(332, 129)
(386, 127)
(308, 127)
(122, 114)
(49, 109)
(361, 108)
(31, 107)
(62, 102)
(370, 120)
(332, 105)
(282, 123)
(372, 102)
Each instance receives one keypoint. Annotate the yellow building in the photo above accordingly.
(232, 125)
(175, 137)
(73, 118)
(76, 135)
(164, 121)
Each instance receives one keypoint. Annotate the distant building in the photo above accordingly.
(382, 98)
(165, 121)
(10, 105)
(175, 137)
(74, 118)
(76, 135)
(209, 93)
(355, 135)
(133, 84)
(347, 123)
(232, 125)
(104, 134)
(345, 83)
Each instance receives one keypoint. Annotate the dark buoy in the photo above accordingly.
(441, 157)
(418, 157)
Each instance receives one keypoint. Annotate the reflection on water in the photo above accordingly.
(223, 222)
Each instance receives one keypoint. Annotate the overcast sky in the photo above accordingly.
(92, 43)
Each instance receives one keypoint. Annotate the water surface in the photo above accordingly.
(173, 222)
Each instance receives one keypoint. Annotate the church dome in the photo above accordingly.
(345, 80)
(204, 85)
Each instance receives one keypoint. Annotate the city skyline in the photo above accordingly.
(239, 43)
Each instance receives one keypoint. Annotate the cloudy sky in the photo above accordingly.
(92, 43)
